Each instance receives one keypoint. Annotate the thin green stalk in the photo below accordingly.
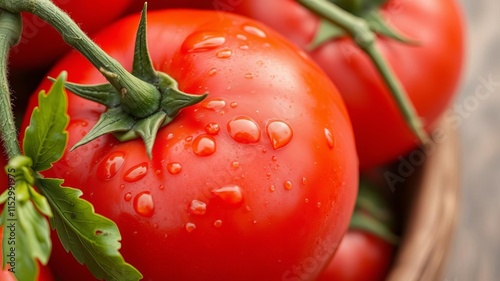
(10, 34)
(139, 98)
(365, 39)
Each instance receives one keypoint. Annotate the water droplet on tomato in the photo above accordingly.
(306, 200)
(279, 133)
(122, 186)
(136, 173)
(204, 145)
(230, 194)
(161, 187)
(330, 140)
(212, 72)
(272, 188)
(249, 76)
(288, 185)
(233, 104)
(304, 180)
(244, 129)
(318, 204)
(244, 47)
(109, 166)
(170, 136)
(218, 223)
(255, 31)
(202, 41)
(235, 164)
(215, 104)
(188, 138)
(212, 128)
(174, 168)
(143, 204)
(274, 158)
(198, 207)
(190, 227)
(224, 53)
(241, 37)
(127, 196)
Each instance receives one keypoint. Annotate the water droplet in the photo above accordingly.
(233, 104)
(274, 158)
(229, 193)
(109, 166)
(288, 185)
(279, 133)
(202, 41)
(156, 226)
(224, 53)
(235, 164)
(268, 175)
(143, 204)
(170, 136)
(188, 138)
(304, 180)
(218, 223)
(212, 128)
(174, 168)
(212, 72)
(198, 207)
(136, 173)
(249, 76)
(241, 37)
(190, 227)
(215, 104)
(254, 30)
(244, 129)
(307, 200)
(244, 47)
(330, 140)
(318, 204)
(204, 145)
(161, 187)
(272, 188)
(122, 186)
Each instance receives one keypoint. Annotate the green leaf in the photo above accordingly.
(28, 233)
(46, 138)
(92, 239)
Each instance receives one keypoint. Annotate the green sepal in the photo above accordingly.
(46, 137)
(114, 120)
(365, 222)
(117, 119)
(147, 129)
(142, 67)
(380, 26)
(104, 94)
(92, 239)
(326, 31)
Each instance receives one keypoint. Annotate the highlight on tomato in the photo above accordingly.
(255, 182)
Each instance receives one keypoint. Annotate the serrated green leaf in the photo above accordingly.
(92, 239)
(46, 138)
(31, 239)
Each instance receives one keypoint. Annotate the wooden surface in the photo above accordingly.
(475, 253)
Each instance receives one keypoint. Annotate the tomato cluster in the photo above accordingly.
(259, 180)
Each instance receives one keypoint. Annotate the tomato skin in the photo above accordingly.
(429, 71)
(41, 45)
(278, 229)
(361, 256)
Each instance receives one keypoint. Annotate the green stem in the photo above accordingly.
(365, 39)
(10, 34)
(139, 98)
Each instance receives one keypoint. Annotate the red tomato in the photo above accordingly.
(257, 182)
(41, 45)
(429, 71)
(361, 256)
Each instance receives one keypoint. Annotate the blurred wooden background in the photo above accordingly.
(475, 253)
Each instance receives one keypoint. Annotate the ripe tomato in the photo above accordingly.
(429, 71)
(41, 45)
(257, 182)
(361, 256)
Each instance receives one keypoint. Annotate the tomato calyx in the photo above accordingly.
(372, 214)
(369, 11)
(121, 119)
